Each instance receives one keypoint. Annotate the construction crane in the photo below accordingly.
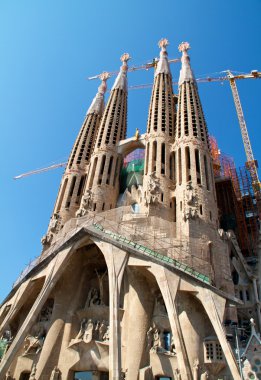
(146, 66)
(251, 162)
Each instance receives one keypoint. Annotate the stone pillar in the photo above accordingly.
(168, 283)
(57, 266)
(116, 260)
(215, 308)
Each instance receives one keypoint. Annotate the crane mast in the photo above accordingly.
(251, 163)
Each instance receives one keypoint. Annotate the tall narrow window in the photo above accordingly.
(68, 202)
(188, 166)
(206, 172)
(62, 195)
(80, 188)
(93, 172)
(116, 171)
(109, 170)
(174, 209)
(154, 156)
(101, 169)
(163, 159)
(180, 166)
(147, 158)
(197, 166)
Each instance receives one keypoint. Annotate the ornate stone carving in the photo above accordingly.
(204, 376)
(92, 298)
(87, 202)
(56, 374)
(190, 203)
(159, 307)
(154, 189)
(177, 375)
(46, 239)
(54, 224)
(33, 372)
(90, 330)
(184, 46)
(34, 342)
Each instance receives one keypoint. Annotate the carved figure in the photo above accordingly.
(195, 369)
(102, 330)
(82, 329)
(92, 298)
(54, 223)
(56, 374)
(33, 344)
(190, 203)
(88, 333)
(8, 375)
(33, 372)
(106, 336)
(137, 134)
(204, 376)
(46, 239)
(153, 189)
(159, 307)
(100, 279)
(172, 345)
(177, 375)
(150, 337)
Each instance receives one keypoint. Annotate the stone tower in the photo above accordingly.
(102, 188)
(73, 181)
(158, 173)
(194, 194)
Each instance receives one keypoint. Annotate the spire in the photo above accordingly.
(163, 63)
(97, 105)
(121, 82)
(186, 74)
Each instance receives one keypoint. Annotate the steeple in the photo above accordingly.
(103, 180)
(160, 129)
(194, 181)
(73, 181)
(186, 73)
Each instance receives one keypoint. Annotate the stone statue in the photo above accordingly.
(172, 345)
(102, 331)
(46, 239)
(177, 375)
(195, 369)
(106, 336)
(100, 279)
(204, 376)
(154, 190)
(92, 298)
(150, 338)
(88, 333)
(159, 308)
(82, 329)
(190, 203)
(8, 375)
(34, 342)
(33, 372)
(54, 222)
(56, 374)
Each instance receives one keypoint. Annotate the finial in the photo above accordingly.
(163, 43)
(184, 46)
(103, 86)
(104, 76)
(125, 57)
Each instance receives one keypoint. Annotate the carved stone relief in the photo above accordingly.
(154, 190)
(190, 203)
(87, 202)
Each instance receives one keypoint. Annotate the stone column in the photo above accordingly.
(116, 260)
(215, 308)
(168, 283)
(56, 268)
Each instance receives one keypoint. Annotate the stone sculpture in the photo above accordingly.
(56, 374)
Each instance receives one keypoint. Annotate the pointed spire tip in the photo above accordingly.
(163, 43)
(184, 46)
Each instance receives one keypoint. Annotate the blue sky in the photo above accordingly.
(49, 48)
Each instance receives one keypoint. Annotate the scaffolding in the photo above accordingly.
(243, 199)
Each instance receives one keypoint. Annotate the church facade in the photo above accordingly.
(135, 281)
